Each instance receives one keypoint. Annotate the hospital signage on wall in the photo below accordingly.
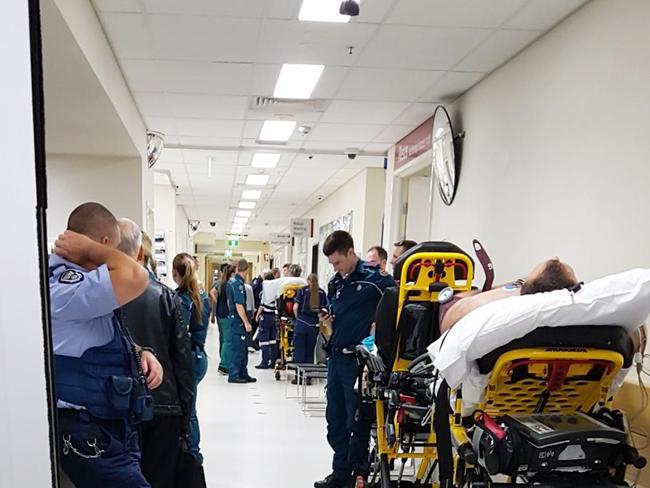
(277, 240)
(414, 144)
(302, 227)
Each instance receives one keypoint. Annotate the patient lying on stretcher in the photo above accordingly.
(549, 275)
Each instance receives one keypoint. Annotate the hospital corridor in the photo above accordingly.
(325, 244)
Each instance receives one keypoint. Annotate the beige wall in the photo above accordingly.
(364, 196)
(72, 180)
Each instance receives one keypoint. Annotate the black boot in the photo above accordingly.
(332, 482)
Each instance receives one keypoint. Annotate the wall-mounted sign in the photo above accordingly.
(302, 227)
(276, 240)
(227, 253)
(414, 144)
(233, 243)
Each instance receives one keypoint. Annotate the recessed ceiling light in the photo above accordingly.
(322, 11)
(297, 80)
(209, 166)
(237, 227)
(240, 220)
(248, 205)
(257, 180)
(243, 213)
(265, 160)
(277, 130)
(251, 194)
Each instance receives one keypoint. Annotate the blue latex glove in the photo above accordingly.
(369, 342)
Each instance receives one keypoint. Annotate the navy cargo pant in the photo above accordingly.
(348, 435)
(267, 337)
(97, 453)
(238, 352)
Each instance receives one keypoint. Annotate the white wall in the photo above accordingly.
(24, 451)
(555, 161)
(115, 182)
(363, 195)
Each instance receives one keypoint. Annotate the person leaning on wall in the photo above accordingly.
(153, 319)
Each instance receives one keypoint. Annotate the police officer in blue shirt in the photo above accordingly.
(353, 294)
(236, 298)
(101, 375)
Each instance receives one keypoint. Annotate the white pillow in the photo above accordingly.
(272, 289)
(622, 299)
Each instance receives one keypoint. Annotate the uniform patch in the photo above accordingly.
(70, 277)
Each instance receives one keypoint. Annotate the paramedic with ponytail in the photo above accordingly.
(101, 375)
(195, 315)
(309, 302)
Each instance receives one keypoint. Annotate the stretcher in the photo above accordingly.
(285, 325)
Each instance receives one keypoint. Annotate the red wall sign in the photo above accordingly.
(416, 143)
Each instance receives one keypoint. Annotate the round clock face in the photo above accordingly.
(444, 157)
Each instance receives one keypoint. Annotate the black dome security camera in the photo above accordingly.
(349, 7)
(212, 224)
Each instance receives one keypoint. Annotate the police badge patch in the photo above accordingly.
(70, 277)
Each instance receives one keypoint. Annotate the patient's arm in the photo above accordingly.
(470, 303)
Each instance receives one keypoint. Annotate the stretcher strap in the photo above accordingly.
(441, 419)
(486, 264)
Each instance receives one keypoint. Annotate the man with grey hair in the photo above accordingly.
(153, 321)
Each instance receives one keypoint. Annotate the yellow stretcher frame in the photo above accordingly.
(285, 327)
(419, 291)
(576, 394)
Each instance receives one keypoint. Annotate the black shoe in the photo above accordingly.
(222, 370)
(238, 380)
(332, 482)
(263, 366)
(250, 379)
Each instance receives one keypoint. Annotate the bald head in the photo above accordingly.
(95, 221)
(131, 238)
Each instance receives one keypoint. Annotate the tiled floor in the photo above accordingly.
(252, 436)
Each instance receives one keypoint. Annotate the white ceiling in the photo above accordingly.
(195, 66)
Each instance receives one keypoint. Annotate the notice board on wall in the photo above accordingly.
(325, 271)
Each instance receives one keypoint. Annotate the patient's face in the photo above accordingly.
(539, 269)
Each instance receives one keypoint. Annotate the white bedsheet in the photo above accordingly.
(622, 299)
(272, 289)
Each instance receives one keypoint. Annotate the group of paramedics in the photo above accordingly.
(129, 352)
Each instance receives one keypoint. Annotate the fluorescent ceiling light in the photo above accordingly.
(265, 160)
(277, 130)
(240, 220)
(322, 11)
(257, 180)
(251, 194)
(209, 166)
(297, 80)
(238, 226)
(243, 213)
(248, 205)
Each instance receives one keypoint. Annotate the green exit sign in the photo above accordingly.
(233, 243)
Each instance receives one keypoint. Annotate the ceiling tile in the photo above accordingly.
(220, 158)
(393, 133)
(456, 13)
(377, 146)
(283, 41)
(204, 38)
(451, 86)
(246, 8)
(166, 125)
(415, 114)
(543, 14)
(387, 84)
(117, 6)
(129, 36)
(207, 106)
(208, 127)
(344, 132)
(363, 112)
(434, 48)
(189, 77)
(152, 104)
(496, 50)
(210, 141)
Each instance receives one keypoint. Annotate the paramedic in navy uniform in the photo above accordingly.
(95, 370)
(353, 294)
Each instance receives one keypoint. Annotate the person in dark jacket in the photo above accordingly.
(154, 322)
(195, 316)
